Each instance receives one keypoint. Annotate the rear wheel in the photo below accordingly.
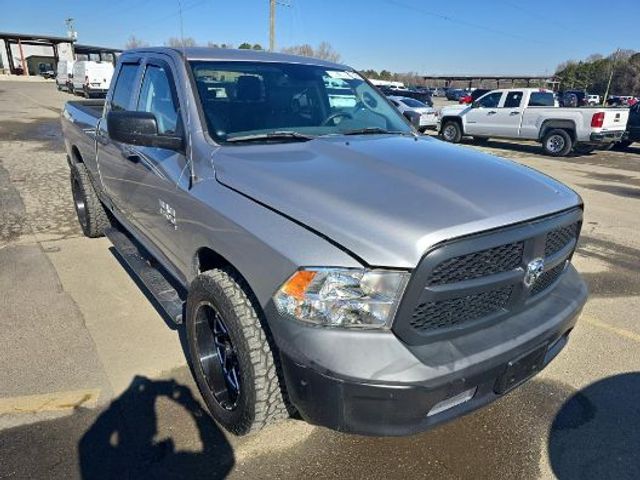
(557, 143)
(452, 132)
(231, 358)
(91, 213)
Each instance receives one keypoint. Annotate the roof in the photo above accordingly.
(238, 55)
(35, 37)
(82, 48)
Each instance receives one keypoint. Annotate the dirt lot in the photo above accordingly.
(93, 382)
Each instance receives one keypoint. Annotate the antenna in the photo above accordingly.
(181, 23)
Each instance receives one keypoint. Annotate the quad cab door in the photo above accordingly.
(508, 117)
(117, 170)
(481, 118)
(157, 203)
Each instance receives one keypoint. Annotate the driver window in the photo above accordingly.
(156, 97)
(490, 101)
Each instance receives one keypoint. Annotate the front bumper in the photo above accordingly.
(371, 383)
(607, 137)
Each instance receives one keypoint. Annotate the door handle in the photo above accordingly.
(514, 113)
(492, 112)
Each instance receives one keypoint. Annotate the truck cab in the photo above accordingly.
(532, 114)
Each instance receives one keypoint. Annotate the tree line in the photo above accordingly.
(593, 74)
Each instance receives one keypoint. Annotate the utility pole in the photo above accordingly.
(71, 32)
(613, 68)
(272, 25)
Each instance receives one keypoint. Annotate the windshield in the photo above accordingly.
(259, 99)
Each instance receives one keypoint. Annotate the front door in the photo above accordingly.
(481, 117)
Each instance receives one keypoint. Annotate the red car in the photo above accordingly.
(473, 96)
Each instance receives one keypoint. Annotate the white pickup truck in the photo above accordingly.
(532, 114)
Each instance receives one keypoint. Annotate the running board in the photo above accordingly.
(154, 281)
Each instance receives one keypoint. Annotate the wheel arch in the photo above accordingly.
(451, 118)
(568, 126)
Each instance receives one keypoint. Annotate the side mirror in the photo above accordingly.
(140, 128)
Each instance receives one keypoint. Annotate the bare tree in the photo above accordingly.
(324, 51)
(181, 42)
(135, 42)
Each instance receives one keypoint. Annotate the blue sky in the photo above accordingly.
(426, 36)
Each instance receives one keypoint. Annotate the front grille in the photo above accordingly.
(452, 312)
(547, 279)
(478, 264)
(439, 301)
(559, 238)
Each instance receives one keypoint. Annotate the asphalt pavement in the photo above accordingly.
(94, 384)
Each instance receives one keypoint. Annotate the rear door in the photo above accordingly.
(162, 175)
(481, 119)
(116, 164)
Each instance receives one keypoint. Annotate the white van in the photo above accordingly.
(92, 78)
(64, 74)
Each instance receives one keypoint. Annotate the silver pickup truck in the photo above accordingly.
(323, 257)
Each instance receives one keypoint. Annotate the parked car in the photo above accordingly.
(439, 92)
(324, 260)
(573, 98)
(473, 96)
(423, 97)
(421, 115)
(632, 133)
(91, 78)
(455, 94)
(530, 114)
(64, 75)
(593, 100)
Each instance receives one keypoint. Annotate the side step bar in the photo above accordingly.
(155, 282)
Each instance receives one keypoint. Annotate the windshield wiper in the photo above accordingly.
(277, 135)
(375, 131)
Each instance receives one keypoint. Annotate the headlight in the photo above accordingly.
(337, 297)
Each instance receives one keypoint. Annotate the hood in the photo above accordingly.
(386, 198)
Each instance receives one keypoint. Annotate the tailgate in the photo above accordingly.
(615, 119)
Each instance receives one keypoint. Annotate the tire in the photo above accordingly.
(219, 296)
(557, 143)
(621, 146)
(91, 213)
(584, 149)
(451, 132)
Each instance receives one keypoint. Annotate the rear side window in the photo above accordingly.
(541, 99)
(124, 87)
(156, 97)
(513, 100)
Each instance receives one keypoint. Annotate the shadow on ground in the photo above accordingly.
(596, 433)
(123, 441)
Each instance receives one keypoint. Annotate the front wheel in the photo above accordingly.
(451, 132)
(231, 358)
(557, 143)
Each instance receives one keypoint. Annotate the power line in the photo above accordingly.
(448, 18)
